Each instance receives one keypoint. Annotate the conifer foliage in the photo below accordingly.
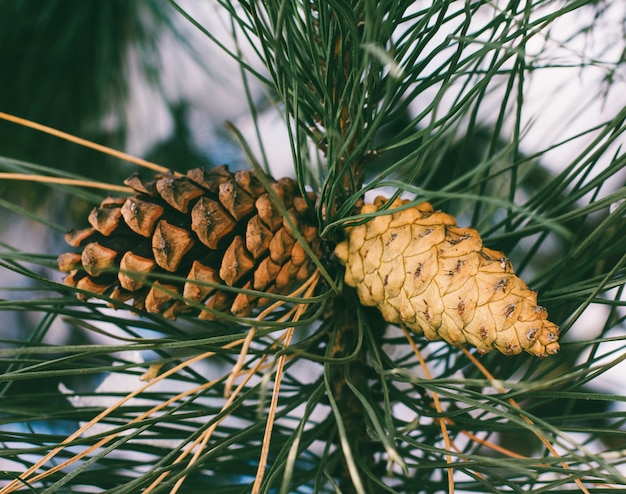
(231, 332)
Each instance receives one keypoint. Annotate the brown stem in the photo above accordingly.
(356, 370)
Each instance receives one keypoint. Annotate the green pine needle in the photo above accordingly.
(430, 101)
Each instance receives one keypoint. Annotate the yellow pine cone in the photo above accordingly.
(422, 270)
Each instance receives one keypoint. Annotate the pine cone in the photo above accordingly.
(420, 269)
(212, 227)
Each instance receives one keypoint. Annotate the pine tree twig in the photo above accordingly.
(348, 346)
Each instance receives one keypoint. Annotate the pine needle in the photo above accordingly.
(84, 142)
(311, 282)
(204, 438)
(44, 179)
(15, 484)
(269, 424)
(442, 422)
(542, 438)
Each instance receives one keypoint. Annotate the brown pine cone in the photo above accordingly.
(212, 228)
(420, 269)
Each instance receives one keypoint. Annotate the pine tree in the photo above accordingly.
(251, 333)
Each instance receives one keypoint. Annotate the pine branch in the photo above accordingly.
(300, 392)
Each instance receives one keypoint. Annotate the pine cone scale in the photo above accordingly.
(130, 265)
(211, 222)
(97, 259)
(169, 245)
(237, 262)
(258, 237)
(141, 216)
(237, 202)
(177, 192)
